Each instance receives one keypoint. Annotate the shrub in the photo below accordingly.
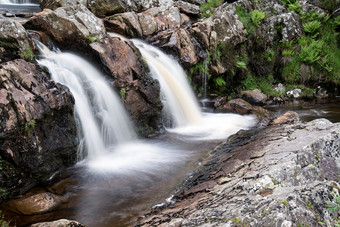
(257, 16)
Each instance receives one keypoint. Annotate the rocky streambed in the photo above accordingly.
(282, 175)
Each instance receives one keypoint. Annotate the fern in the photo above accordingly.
(257, 16)
(312, 27)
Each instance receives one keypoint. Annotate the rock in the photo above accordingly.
(110, 7)
(219, 102)
(294, 93)
(278, 176)
(123, 61)
(196, 2)
(37, 128)
(59, 223)
(34, 204)
(177, 43)
(188, 8)
(280, 88)
(320, 93)
(54, 4)
(74, 26)
(14, 39)
(125, 23)
(263, 115)
(238, 106)
(255, 97)
(288, 117)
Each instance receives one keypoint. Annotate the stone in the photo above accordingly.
(288, 117)
(279, 88)
(32, 107)
(188, 8)
(14, 39)
(123, 61)
(54, 4)
(294, 93)
(74, 26)
(102, 8)
(59, 223)
(34, 204)
(238, 106)
(275, 176)
(255, 97)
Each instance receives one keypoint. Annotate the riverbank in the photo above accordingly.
(282, 175)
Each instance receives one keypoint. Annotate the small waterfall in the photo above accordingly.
(101, 116)
(180, 99)
(19, 2)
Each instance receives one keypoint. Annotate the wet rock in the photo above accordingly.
(238, 106)
(188, 8)
(74, 26)
(59, 223)
(140, 93)
(275, 176)
(37, 128)
(14, 41)
(294, 93)
(288, 117)
(320, 93)
(34, 204)
(255, 97)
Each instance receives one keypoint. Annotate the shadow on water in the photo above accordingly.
(312, 109)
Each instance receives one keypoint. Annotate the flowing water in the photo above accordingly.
(120, 175)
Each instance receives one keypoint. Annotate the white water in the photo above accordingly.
(180, 99)
(21, 2)
(101, 115)
(181, 102)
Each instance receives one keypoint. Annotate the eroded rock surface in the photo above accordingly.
(37, 128)
(138, 90)
(59, 223)
(278, 176)
(74, 26)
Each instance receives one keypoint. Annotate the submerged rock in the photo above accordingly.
(139, 92)
(278, 176)
(37, 128)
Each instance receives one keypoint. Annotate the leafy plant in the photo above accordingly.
(122, 93)
(311, 50)
(245, 19)
(312, 27)
(219, 81)
(207, 8)
(269, 55)
(296, 7)
(241, 65)
(27, 54)
(257, 16)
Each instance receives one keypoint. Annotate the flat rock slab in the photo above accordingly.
(282, 175)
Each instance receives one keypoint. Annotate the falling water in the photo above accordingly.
(179, 96)
(181, 102)
(101, 116)
(19, 2)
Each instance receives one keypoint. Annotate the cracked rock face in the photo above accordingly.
(37, 128)
(72, 25)
(279, 176)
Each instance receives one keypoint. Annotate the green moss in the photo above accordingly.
(122, 93)
(27, 54)
(29, 125)
(93, 38)
(284, 202)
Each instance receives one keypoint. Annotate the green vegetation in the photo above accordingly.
(29, 125)
(293, 5)
(3, 223)
(269, 55)
(122, 93)
(257, 16)
(27, 54)
(93, 38)
(312, 27)
(245, 18)
(284, 202)
(334, 207)
(207, 8)
(262, 83)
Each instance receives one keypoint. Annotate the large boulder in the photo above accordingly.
(37, 128)
(59, 223)
(14, 42)
(74, 26)
(54, 4)
(140, 93)
(110, 7)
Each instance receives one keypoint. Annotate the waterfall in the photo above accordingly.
(101, 116)
(181, 100)
(19, 2)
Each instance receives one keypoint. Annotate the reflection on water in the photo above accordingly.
(310, 110)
